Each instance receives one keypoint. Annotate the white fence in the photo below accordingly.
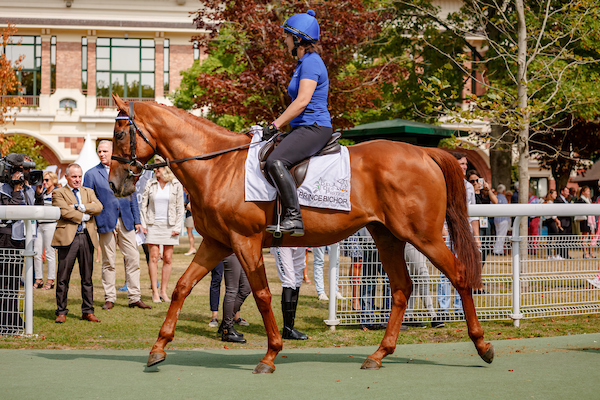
(16, 305)
(548, 285)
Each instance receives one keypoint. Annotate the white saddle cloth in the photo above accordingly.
(327, 182)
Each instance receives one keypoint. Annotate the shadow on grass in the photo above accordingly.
(235, 360)
(583, 349)
(188, 323)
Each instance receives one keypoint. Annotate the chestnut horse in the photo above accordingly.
(402, 193)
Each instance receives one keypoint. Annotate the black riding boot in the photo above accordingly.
(289, 302)
(229, 334)
(286, 187)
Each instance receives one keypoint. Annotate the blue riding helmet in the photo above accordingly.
(303, 25)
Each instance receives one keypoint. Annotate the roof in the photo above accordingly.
(397, 126)
(590, 175)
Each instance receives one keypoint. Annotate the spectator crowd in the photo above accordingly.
(92, 218)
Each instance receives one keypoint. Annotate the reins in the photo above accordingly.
(133, 160)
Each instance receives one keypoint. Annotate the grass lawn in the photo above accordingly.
(125, 328)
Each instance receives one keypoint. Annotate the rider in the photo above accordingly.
(307, 115)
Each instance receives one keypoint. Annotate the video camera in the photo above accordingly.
(16, 163)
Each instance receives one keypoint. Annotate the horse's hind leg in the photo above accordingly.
(208, 256)
(391, 253)
(439, 254)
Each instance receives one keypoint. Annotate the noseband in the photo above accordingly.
(132, 161)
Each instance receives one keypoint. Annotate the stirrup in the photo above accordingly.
(275, 230)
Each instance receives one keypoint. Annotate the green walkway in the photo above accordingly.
(565, 367)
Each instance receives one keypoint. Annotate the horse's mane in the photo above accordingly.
(198, 122)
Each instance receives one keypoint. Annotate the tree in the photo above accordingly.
(245, 77)
(25, 145)
(540, 68)
(420, 51)
(9, 83)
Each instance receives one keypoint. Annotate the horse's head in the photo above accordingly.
(129, 153)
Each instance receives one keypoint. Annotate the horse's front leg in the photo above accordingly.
(251, 258)
(208, 256)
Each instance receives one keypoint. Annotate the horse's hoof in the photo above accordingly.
(155, 358)
(488, 356)
(263, 368)
(369, 363)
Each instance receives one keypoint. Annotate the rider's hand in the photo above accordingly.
(269, 131)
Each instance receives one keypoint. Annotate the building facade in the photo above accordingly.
(78, 52)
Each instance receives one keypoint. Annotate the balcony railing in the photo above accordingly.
(29, 101)
(108, 102)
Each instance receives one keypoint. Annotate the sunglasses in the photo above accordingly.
(473, 181)
(46, 180)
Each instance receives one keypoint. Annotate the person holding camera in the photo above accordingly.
(13, 192)
(483, 195)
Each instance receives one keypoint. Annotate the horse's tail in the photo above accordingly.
(457, 218)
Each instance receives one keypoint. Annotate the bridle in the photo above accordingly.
(133, 161)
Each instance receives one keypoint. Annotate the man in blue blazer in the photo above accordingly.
(117, 224)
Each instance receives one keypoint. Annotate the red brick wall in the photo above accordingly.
(159, 89)
(181, 57)
(68, 65)
(73, 143)
(45, 89)
(91, 68)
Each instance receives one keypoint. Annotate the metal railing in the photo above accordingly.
(16, 305)
(552, 274)
(28, 101)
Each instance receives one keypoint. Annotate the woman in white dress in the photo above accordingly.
(162, 217)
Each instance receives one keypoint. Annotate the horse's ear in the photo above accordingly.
(120, 103)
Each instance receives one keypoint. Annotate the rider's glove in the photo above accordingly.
(269, 131)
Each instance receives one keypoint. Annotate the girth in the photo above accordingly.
(299, 170)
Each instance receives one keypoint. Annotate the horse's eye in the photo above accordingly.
(119, 135)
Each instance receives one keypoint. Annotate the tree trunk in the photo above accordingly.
(523, 134)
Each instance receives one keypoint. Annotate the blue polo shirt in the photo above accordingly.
(311, 66)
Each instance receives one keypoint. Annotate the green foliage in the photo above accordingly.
(562, 62)
(454, 142)
(224, 58)
(413, 42)
(26, 145)
(244, 79)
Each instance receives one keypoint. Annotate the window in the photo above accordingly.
(67, 103)
(166, 66)
(125, 67)
(84, 68)
(30, 75)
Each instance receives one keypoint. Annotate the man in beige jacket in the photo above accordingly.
(75, 238)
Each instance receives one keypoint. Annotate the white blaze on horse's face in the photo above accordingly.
(120, 180)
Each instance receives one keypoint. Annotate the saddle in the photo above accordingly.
(299, 170)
